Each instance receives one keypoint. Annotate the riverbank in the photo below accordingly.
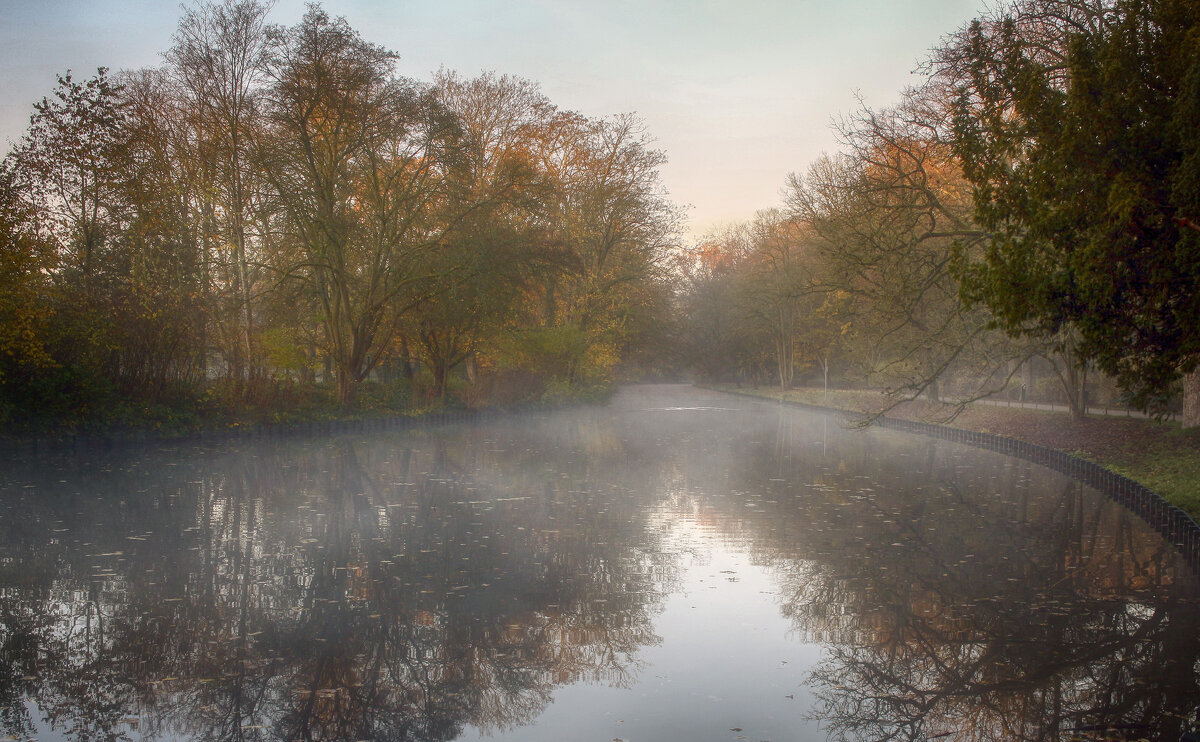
(1158, 455)
(273, 410)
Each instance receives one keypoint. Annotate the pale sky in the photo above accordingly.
(738, 93)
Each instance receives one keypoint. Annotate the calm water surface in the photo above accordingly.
(678, 565)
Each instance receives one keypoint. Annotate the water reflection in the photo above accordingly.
(355, 590)
(985, 599)
(414, 585)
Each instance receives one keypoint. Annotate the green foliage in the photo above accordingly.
(1083, 159)
(284, 351)
(25, 259)
(394, 397)
(554, 352)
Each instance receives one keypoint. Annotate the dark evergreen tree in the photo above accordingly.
(1083, 155)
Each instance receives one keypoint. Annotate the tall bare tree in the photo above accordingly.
(219, 61)
(891, 210)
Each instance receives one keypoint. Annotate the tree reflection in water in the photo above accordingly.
(964, 604)
(352, 591)
(409, 585)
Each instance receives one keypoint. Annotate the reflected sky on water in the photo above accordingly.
(676, 565)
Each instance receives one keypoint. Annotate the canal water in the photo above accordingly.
(675, 565)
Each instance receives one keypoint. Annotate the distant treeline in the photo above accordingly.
(274, 218)
(1030, 211)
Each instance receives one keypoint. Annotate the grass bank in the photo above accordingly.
(269, 406)
(1158, 455)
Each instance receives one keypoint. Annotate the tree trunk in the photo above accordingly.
(1073, 377)
(1076, 389)
(786, 369)
(347, 389)
(825, 376)
(441, 378)
(1191, 400)
(406, 364)
(784, 351)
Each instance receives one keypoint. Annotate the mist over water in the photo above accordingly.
(677, 564)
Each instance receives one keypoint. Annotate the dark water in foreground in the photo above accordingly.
(679, 565)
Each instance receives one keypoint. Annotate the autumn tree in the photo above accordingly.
(356, 158)
(709, 332)
(66, 171)
(889, 211)
(26, 260)
(161, 312)
(612, 223)
(494, 249)
(66, 164)
(753, 301)
(273, 200)
(776, 285)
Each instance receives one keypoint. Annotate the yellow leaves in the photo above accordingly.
(282, 350)
(600, 357)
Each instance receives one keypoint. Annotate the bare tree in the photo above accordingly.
(219, 60)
